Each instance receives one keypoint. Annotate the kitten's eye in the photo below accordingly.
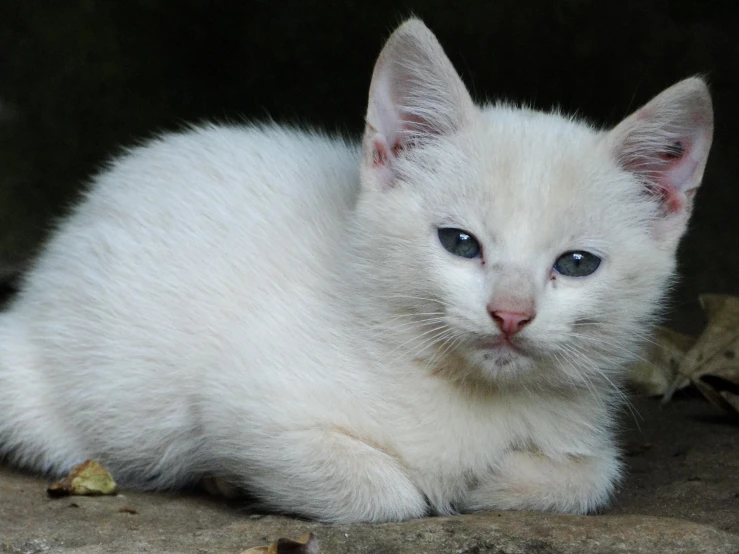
(576, 264)
(459, 242)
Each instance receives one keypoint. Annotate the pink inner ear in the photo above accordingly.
(412, 128)
(379, 153)
(672, 201)
(382, 161)
(665, 144)
(397, 148)
(385, 149)
(666, 177)
(670, 171)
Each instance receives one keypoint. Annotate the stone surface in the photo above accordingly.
(137, 522)
(682, 496)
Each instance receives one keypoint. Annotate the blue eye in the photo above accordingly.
(577, 263)
(459, 242)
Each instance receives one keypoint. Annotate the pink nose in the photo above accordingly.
(511, 322)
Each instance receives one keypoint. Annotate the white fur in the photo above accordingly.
(273, 307)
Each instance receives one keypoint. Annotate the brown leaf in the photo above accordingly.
(304, 545)
(721, 393)
(87, 479)
(712, 364)
(712, 304)
(657, 373)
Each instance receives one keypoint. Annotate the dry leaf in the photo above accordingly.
(657, 373)
(87, 479)
(304, 545)
(712, 364)
(712, 304)
(721, 393)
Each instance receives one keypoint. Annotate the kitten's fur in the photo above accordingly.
(274, 306)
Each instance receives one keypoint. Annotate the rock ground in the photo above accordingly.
(681, 496)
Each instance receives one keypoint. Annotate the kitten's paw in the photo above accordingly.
(530, 481)
(337, 477)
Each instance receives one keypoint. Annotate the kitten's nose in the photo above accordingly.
(511, 322)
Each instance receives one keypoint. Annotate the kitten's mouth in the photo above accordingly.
(500, 344)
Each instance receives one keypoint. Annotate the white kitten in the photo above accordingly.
(435, 322)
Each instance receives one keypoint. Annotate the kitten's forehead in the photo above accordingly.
(540, 176)
(532, 156)
(531, 183)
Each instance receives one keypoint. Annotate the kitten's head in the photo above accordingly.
(528, 247)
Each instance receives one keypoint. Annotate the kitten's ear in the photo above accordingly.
(666, 144)
(415, 94)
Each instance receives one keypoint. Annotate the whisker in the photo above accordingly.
(589, 364)
(416, 337)
(619, 347)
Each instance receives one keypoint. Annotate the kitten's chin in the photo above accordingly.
(501, 363)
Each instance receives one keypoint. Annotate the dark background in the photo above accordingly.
(80, 78)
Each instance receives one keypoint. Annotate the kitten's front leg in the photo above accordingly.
(532, 481)
(335, 476)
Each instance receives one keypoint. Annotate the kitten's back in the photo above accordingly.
(214, 194)
(212, 230)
